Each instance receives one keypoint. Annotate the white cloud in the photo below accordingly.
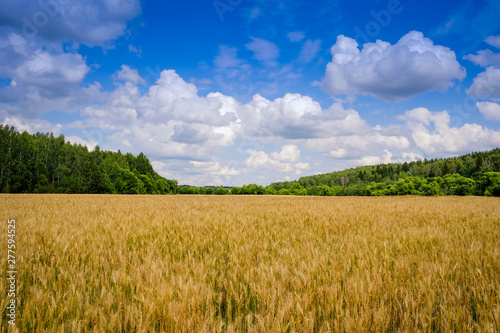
(88, 22)
(288, 154)
(294, 116)
(128, 74)
(45, 74)
(296, 36)
(90, 144)
(484, 58)
(490, 111)
(285, 161)
(169, 120)
(493, 41)
(264, 51)
(32, 125)
(230, 67)
(352, 147)
(133, 49)
(227, 58)
(48, 70)
(214, 168)
(431, 132)
(43, 77)
(182, 132)
(310, 51)
(412, 66)
(387, 157)
(486, 84)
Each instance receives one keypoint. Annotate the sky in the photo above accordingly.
(233, 92)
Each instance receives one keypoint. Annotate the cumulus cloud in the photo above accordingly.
(486, 84)
(214, 168)
(264, 51)
(294, 116)
(49, 69)
(412, 66)
(284, 161)
(31, 102)
(169, 120)
(45, 74)
(43, 77)
(288, 154)
(182, 131)
(355, 146)
(431, 132)
(90, 144)
(45, 69)
(88, 22)
(32, 125)
(490, 111)
(128, 74)
(198, 173)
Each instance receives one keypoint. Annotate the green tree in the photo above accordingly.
(298, 189)
(284, 191)
(270, 191)
(150, 186)
(432, 189)
(459, 185)
(326, 190)
(221, 191)
(489, 184)
(130, 183)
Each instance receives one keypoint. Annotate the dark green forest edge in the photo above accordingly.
(42, 163)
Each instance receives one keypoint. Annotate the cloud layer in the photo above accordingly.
(187, 135)
(88, 22)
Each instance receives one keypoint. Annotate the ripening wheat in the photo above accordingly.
(254, 263)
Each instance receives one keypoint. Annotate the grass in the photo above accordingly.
(254, 263)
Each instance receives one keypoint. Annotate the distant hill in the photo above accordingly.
(42, 163)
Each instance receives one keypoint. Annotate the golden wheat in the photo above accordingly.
(254, 264)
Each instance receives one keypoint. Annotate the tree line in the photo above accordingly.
(43, 163)
(471, 174)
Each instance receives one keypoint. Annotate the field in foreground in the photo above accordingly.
(256, 264)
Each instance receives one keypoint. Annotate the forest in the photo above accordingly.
(42, 163)
(472, 174)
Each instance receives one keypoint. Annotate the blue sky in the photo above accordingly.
(236, 91)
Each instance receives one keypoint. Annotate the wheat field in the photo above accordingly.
(107, 263)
